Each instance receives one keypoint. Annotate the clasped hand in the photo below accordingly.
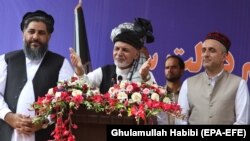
(23, 124)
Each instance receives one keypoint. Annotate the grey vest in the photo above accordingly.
(45, 78)
(212, 105)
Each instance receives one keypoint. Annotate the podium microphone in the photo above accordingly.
(119, 79)
(113, 80)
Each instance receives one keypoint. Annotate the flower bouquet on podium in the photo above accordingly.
(140, 100)
(136, 99)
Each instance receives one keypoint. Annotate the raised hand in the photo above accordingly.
(76, 62)
(150, 64)
(144, 70)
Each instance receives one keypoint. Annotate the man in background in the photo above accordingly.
(174, 70)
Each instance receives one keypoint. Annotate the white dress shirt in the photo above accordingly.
(27, 96)
(242, 105)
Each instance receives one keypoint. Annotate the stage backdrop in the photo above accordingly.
(178, 26)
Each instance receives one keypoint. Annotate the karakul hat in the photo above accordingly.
(221, 38)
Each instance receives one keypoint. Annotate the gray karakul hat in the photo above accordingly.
(135, 34)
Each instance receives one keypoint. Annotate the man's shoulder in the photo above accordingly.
(196, 76)
(233, 76)
(55, 54)
(109, 66)
(13, 54)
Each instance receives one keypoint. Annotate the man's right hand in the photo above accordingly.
(76, 62)
(23, 124)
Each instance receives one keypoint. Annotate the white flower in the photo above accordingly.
(59, 84)
(155, 97)
(162, 91)
(51, 91)
(76, 92)
(58, 94)
(166, 100)
(112, 91)
(122, 96)
(93, 92)
(96, 92)
(136, 97)
(123, 84)
(73, 83)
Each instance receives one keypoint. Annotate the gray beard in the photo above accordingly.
(35, 53)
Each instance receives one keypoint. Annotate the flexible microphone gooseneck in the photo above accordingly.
(113, 79)
(119, 79)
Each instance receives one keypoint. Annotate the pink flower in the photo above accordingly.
(140, 100)
(129, 88)
(146, 91)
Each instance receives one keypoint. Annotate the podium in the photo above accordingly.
(92, 125)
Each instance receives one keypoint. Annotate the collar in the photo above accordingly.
(169, 90)
(122, 72)
(28, 61)
(214, 78)
(211, 80)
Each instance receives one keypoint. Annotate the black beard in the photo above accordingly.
(173, 79)
(35, 53)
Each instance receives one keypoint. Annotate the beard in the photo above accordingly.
(173, 78)
(35, 53)
(122, 64)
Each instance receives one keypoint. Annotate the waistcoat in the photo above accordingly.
(212, 105)
(45, 78)
(108, 79)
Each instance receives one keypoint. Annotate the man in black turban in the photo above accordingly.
(128, 39)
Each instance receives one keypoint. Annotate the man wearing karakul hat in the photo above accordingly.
(215, 96)
(128, 39)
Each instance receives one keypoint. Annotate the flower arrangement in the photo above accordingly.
(140, 100)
